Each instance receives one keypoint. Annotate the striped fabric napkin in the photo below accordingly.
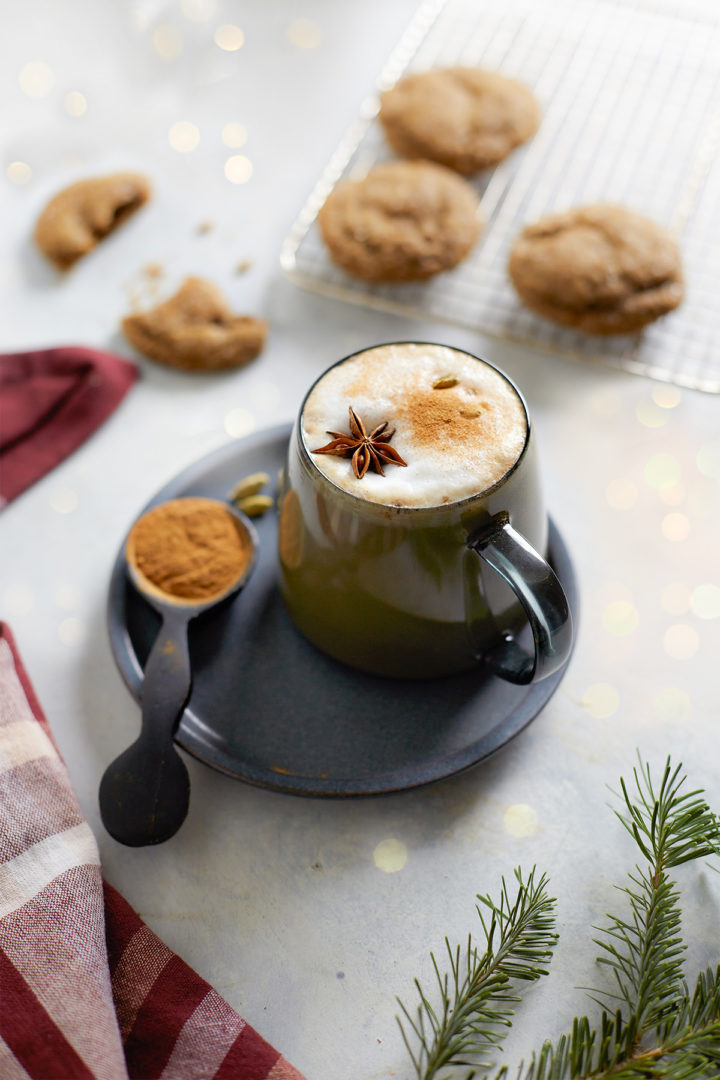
(87, 990)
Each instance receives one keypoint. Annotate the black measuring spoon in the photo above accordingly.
(145, 792)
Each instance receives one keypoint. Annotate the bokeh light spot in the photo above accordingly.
(601, 700)
(620, 618)
(666, 396)
(681, 641)
(229, 37)
(238, 169)
(239, 422)
(75, 103)
(671, 705)
(36, 79)
(662, 471)
(64, 500)
(675, 598)
(304, 34)
(705, 601)
(184, 136)
(650, 415)
(675, 527)
(19, 172)
(390, 855)
(520, 820)
(234, 135)
(167, 41)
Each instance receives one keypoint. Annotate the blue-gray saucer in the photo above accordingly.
(268, 708)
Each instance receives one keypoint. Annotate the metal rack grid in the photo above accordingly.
(631, 114)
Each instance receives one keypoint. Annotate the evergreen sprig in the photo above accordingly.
(477, 996)
(645, 952)
(650, 1025)
(669, 827)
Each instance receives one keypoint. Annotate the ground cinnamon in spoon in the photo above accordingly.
(190, 549)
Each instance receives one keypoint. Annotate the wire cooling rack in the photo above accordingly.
(630, 94)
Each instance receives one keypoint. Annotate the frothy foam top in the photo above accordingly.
(459, 425)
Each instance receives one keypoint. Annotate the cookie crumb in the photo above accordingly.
(243, 266)
(204, 227)
(153, 271)
(135, 300)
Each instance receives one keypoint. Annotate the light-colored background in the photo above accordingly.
(310, 916)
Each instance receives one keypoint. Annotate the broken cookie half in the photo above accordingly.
(80, 216)
(196, 330)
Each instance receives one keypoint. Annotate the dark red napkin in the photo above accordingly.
(87, 990)
(51, 400)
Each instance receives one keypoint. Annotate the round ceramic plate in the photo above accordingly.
(268, 708)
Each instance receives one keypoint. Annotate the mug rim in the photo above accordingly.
(456, 503)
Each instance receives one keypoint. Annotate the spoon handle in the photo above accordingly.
(145, 792)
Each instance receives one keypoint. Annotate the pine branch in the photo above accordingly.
(645, 953)
(670, 827)
(650, 1025)
(704, 1006)
(583, 1052)
(690, 1055)
(477, 997)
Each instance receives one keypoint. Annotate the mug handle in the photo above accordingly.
(543, 598)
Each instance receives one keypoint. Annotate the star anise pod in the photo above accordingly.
(365, 450)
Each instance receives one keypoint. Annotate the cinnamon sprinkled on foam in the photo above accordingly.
(458, 439)
(449, 421)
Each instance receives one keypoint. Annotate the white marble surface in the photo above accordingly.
(310, 916)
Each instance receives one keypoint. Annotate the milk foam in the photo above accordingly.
(457, 441)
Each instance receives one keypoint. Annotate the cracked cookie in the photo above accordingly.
(405, 221)
(465, 118)
(196, 330)
(80, 216)
(600, 269)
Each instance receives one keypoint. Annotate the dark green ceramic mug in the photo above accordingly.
(434, 567)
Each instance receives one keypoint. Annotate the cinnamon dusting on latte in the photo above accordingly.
(457, 422)
(450, 421)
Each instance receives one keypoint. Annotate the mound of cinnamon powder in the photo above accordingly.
(190, 549)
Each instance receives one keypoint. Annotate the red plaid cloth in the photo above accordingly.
(51, 400)
(87, 990)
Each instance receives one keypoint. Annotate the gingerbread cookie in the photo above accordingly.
(77, 218)
(405, 221)
(196, 330)
(465, 118)
(601, 269)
